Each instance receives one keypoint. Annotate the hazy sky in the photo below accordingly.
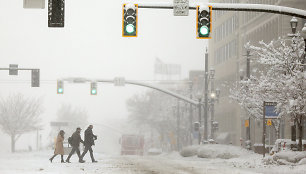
(91, 45)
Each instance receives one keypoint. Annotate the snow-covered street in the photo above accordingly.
(173, 163)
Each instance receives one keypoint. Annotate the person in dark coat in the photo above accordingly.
(89, 141)
(75, 143)
(59, 148)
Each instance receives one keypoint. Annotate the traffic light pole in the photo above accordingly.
(200, 108)
(232, 7)
(206, 98)
(178, 122)
(190, 114)
(137, 83)
(13, 70)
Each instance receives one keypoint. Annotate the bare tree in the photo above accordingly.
(19, 115)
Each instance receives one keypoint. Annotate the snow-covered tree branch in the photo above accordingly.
(282, 80)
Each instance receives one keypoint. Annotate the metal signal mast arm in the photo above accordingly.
(233, 7)
(138, 83)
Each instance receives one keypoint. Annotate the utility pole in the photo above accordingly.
(37, 139)
(178, 125)
(190, 113)
(264, 130)
(206, 97)
(248, 64)
(200, 108)
(248, 73)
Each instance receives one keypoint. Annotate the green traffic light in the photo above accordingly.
(204, 30)
(60, 90)
(93, 91)
(130, 28)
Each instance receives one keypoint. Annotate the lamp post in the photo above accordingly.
(248, 75)
(293, 24)
(205, 134)
(212, 101)
(303, 34)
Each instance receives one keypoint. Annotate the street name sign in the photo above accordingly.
(269, 109)
(58, 123)
(119, 81)
(180, 7)
(38, 4)
(13, 69)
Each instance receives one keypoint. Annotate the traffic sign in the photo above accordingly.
(180, 7)
(246, 123)
(13, 69)
(34, 4)
(58, 123)
(119, 81)
(269, 122)
(270, 112)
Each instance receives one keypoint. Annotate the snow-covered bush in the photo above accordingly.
(189, 151)
(289, 157)
(303, 161)
(221, 151)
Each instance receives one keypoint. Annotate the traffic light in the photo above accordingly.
(60, 87)
(93, 88)
(35, 78)
(56, 13)
(129, 21)
(203, 22)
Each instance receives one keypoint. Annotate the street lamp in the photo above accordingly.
(213, 95)
(293, 23)
(303, 34)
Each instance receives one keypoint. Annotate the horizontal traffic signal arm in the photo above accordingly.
(232, 7)
(137, 83)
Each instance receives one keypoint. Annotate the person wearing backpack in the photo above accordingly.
(89, 138)
(59, 148)
(75, 141)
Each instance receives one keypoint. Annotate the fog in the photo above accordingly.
(91, 46)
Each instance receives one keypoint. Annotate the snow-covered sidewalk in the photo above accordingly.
(172, 163)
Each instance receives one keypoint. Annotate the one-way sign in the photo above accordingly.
(180, 7)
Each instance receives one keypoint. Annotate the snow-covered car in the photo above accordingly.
(285, 144)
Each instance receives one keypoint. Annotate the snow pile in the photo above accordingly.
(221, 151)
(154, 151)
(189, 151)
(287, 158)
